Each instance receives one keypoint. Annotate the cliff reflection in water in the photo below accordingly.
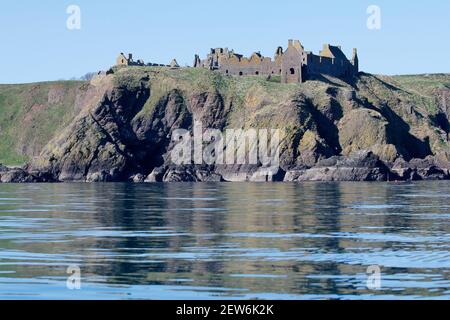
(312, 240)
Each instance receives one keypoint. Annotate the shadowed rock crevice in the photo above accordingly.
(441, 121)
(95, 146)
(326, 125)
(154, 132)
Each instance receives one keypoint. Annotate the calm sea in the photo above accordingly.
(225, 241)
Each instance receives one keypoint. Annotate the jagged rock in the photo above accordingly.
(137, 178)
(40, 176)
(191, 174)
(420, 169)
(237, 173)
(403, 171)
(292, 173)
(364, 129)
(268, 174)
(360, 166)
(342, 174)
(101, 176)
(313, 148)
(208, 175)
(157, 175)
(95, 148)
(180, 174)
(18, 175)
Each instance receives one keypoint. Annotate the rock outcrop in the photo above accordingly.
(22, 175)
(374, 129)
(361, 166)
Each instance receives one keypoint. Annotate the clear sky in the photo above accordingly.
(37, 45)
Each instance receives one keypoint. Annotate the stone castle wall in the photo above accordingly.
(293, 65)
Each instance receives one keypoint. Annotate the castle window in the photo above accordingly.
(240, 73)
(292, 71)
(227, 72)
(257, 72)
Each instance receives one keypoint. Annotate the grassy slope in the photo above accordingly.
(422, 87)
(30, 114)
(423, 84)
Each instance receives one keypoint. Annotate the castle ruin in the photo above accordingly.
(123, 60)
(293, 65)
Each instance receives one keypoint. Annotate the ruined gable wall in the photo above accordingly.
(291, 66)
(121, 60)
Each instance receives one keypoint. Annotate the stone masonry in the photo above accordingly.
(293, 65)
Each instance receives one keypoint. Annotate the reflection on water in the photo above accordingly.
(225, 241)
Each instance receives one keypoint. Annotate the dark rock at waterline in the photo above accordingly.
(157, 175)
(191, 174)
(137, 178)
(219, 173)
(420, 169)
(18, 175)
(361, 166)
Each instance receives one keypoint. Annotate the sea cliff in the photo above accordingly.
(118, 127)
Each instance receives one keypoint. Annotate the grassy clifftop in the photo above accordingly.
(30, 114)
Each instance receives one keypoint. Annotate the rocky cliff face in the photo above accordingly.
(377, 128)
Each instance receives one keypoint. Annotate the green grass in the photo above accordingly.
(423, 83)
(419, 90)
(29, 119)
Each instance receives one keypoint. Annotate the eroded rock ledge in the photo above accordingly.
(361, 166)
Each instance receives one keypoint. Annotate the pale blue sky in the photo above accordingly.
(37, 46)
